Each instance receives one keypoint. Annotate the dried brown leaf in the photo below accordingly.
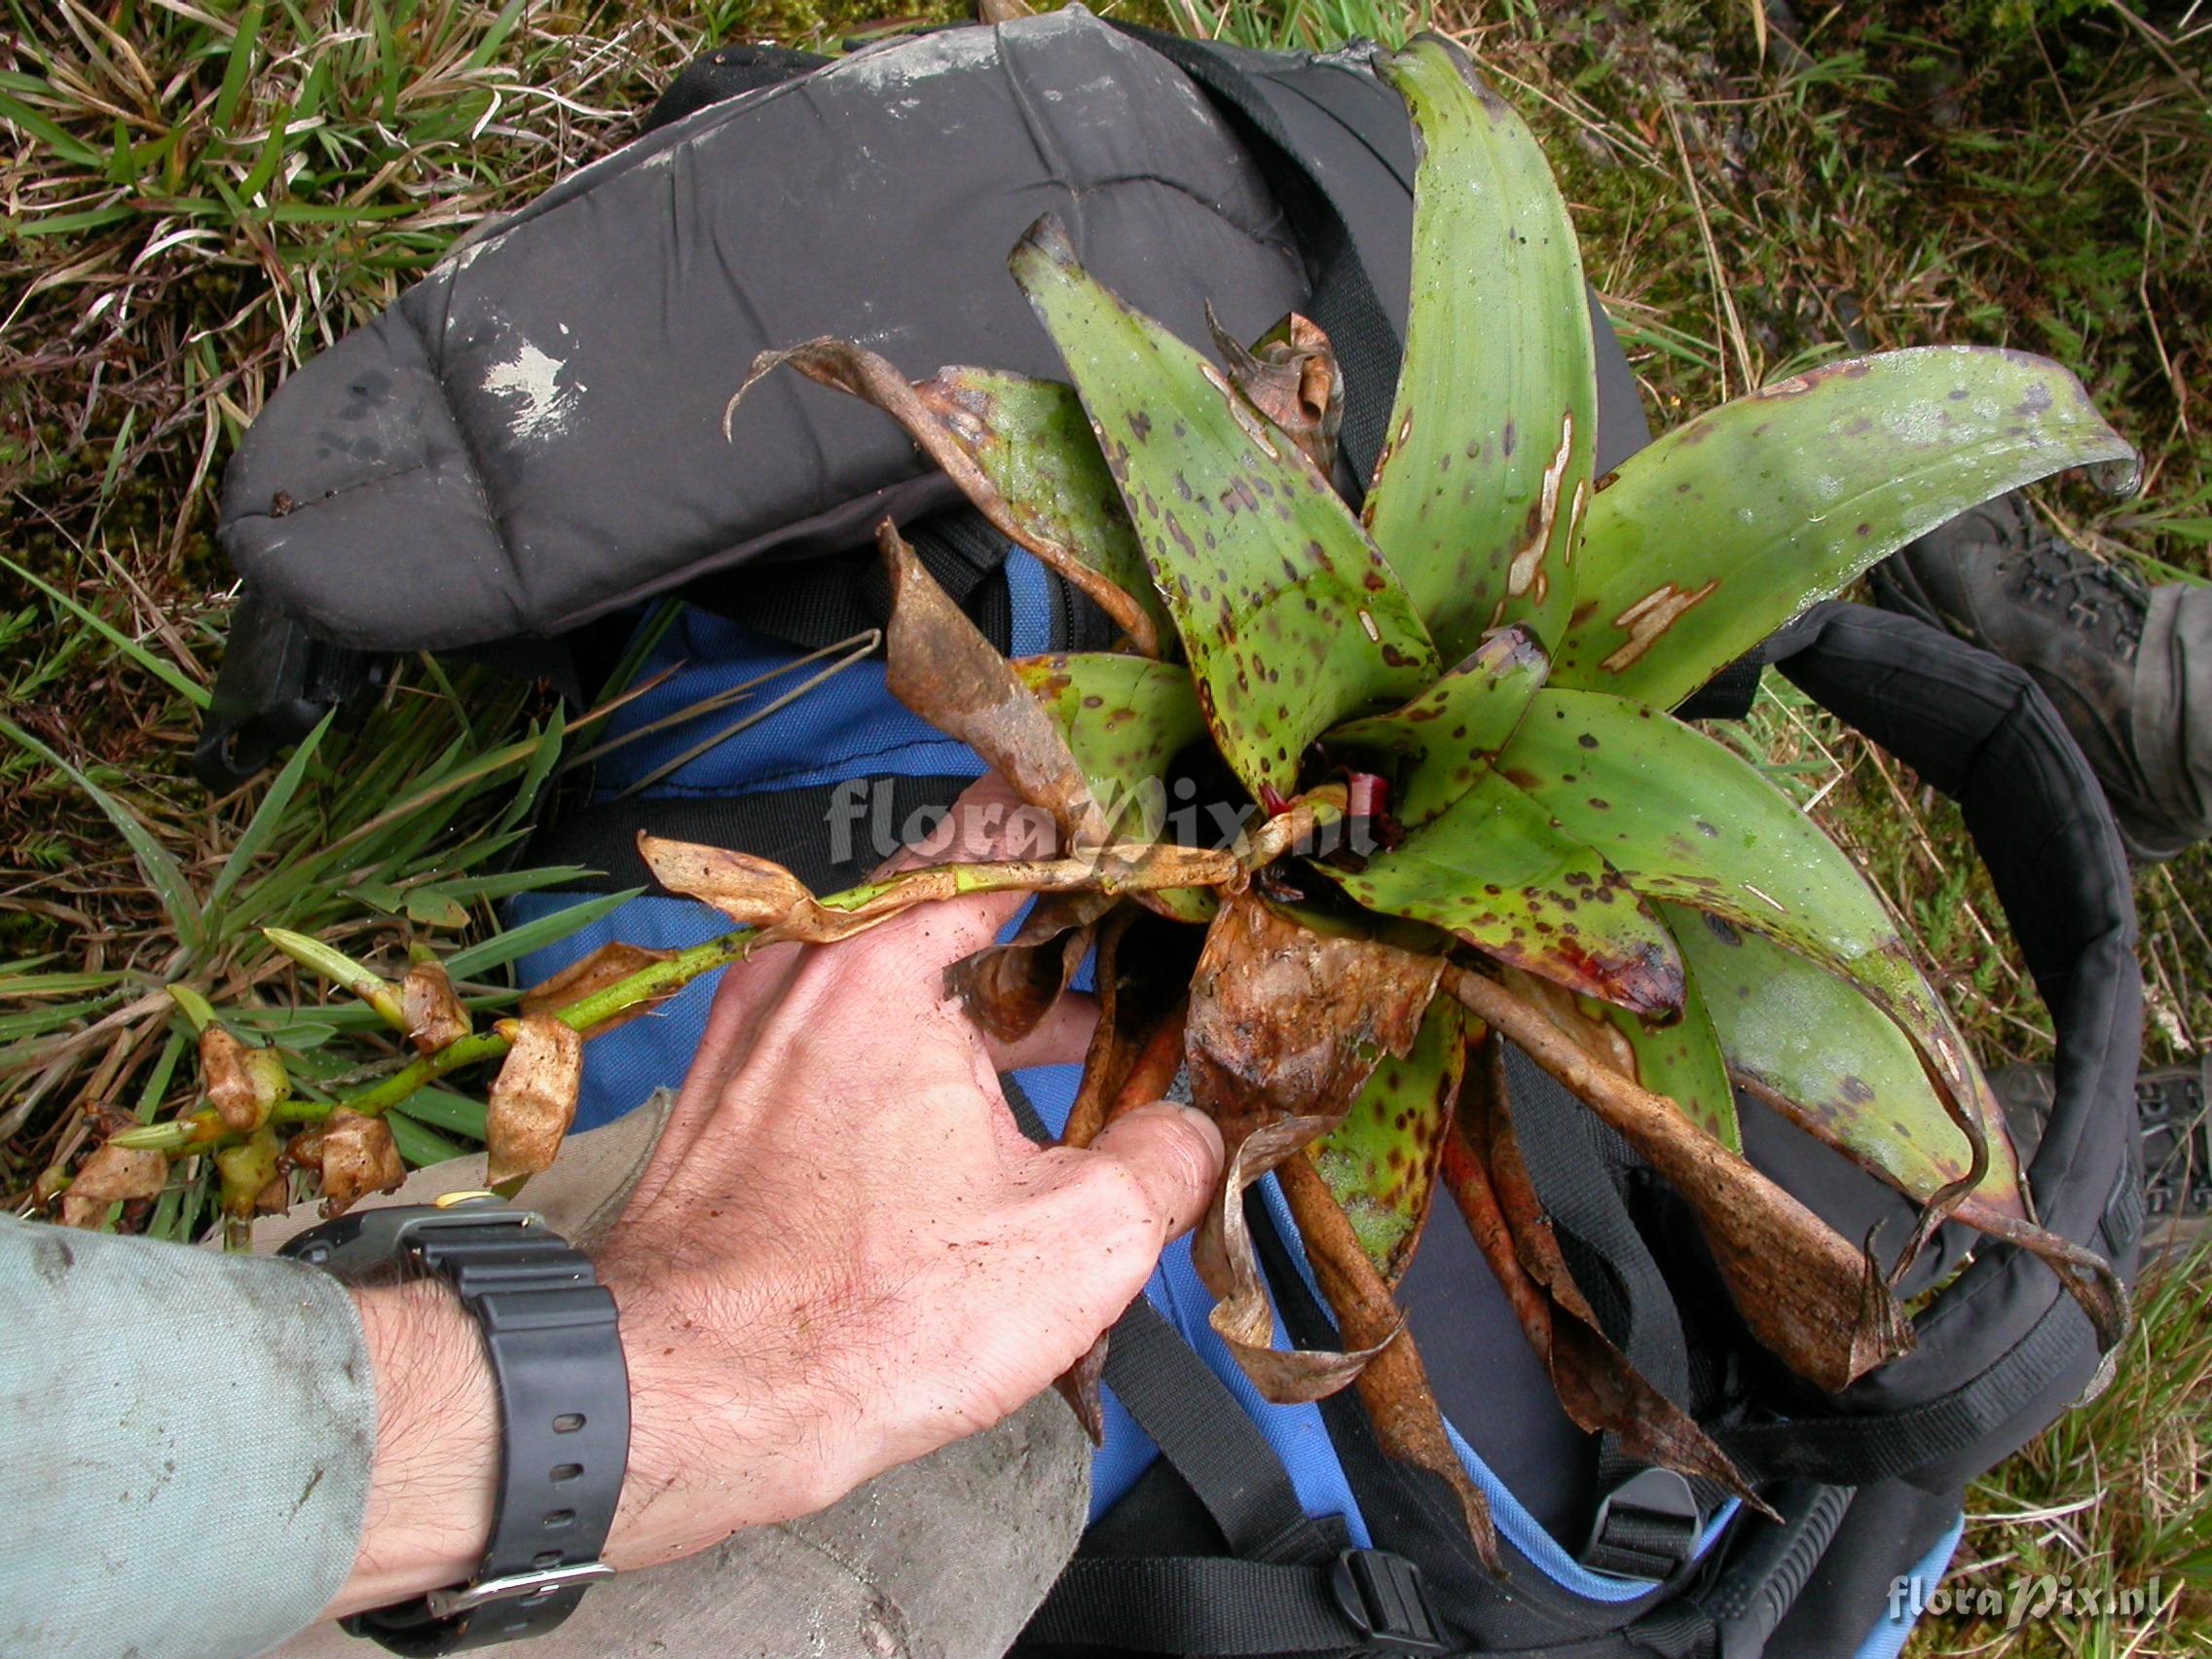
(744, 887)
(2086, 1275)
(923, 410)
(609, 964)
(1243, 1317)
(243, 1085)
(1008, 988)
(1597, 1386)
(112, 1175)
(1289, 1022)
(359, 1157)
(1805, 1292)
(1393, 1387)
(1292, 378)
(1077, 1385)
(534, 1098)
(940, 666)
(1114, 1040)
(753, 891)
(431, 1008)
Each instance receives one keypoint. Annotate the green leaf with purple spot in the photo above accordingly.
(1811, 1047)
(1486, 469)
(1290, 617)
(1442, 740)
(1126, 719)
(1492, 869)
(1703, 543)
(1679, 1058)
(1033, 441)
(1379, 1163)
(1685, 820)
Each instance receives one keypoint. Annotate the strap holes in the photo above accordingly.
(559, 1518)
(544, 1559)
(567, 1422)
(565, 1472)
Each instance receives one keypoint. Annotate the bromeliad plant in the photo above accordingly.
(1470, 817)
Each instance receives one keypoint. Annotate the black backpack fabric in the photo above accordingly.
(533, 434)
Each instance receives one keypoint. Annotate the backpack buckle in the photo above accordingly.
(1646, 1528)
(1382, 1594)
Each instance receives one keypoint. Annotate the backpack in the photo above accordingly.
(451, 448)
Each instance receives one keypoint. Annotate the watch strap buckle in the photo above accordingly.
(546, 1581)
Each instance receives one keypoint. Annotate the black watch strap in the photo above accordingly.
(556, 1357)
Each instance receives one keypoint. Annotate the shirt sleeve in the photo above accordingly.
(189, 1437)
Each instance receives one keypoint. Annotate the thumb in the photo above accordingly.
(1175, 1153)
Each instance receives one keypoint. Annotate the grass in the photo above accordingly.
(197, 196)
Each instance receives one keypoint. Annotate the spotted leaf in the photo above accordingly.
(1442, 740)
(1486, 471)
(1289, 615)
(1680, 1059)
(1491, 869)
(1702, 544)
(1124, 719)
(1684, 819)
(1811, 1047)
(937, 663)
(1381, 1162)
(1005, 441)
(1032, 441)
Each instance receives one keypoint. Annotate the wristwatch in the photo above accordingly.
(549, 1329)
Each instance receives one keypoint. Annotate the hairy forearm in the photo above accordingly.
(437, 1462)
(435, 1478)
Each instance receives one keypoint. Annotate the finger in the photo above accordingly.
(747, 992)
(1062, 1038)
(987, 821)
(1175, 1153)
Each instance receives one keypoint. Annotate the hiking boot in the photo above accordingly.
(1998, 578)
(2177, 1156)
(2176, 1134)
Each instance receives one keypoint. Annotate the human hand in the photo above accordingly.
(843, 1255)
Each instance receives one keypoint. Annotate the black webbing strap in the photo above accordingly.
(1218, 1606)
(1343, 302)
(1288, 1587)
(1649, 1520)
(1205, 1436)
(1858, 1451)
(1729, 694)
(1198, 1424)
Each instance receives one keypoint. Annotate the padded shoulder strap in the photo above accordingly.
(1343, 301)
